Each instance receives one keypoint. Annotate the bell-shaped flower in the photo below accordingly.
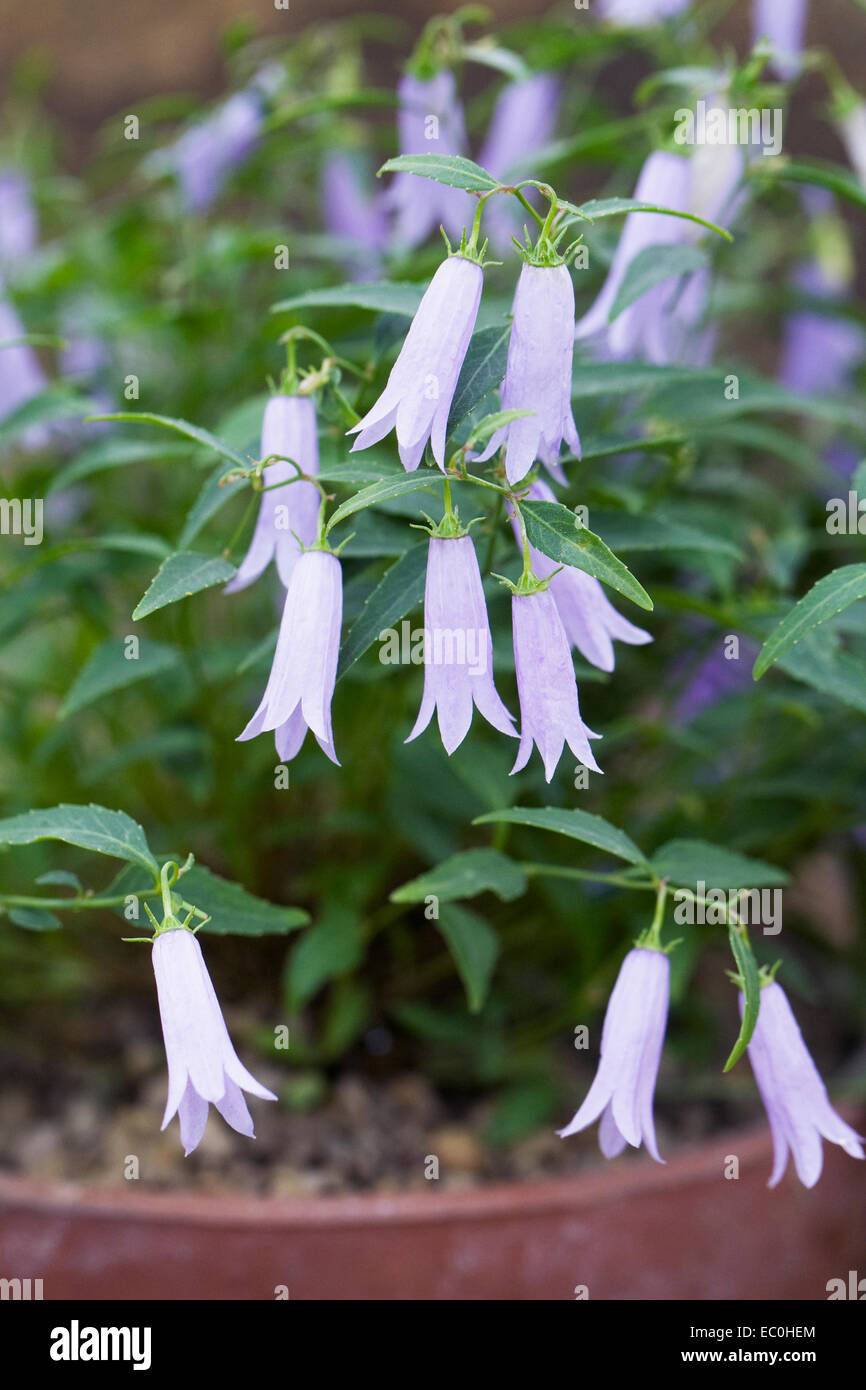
(203, 1067)
(205, 154)
(591, 622)
(538, 373)
(301, 684)
(429, 121)
(631, 1049)
(417, 398)
(458, 650)
(523, 122)
(546, 686)
(795, 1098)
(18, 226)
(288, 516)
(819, 350)
(353, 215)
(783, 22)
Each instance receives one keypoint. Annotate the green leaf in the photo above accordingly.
(557, 533)
(819, 662)
(360, 472)
(108, 670)
(34, 918)
(624, 532)
(212, 497)
(578, 825)
(487, 427)
(598, 208)
(382, 492)
(748, 969)
(233, 911)
(331, 948)
(62, 877)
(451, 169)
(385, 298)
(112, 453)
(465, 875)
(89, 827)
(183, 427)
(832, 594)
(474, 946)
(185, 573)
(829, 176)
(482, 371)
(397, 593)
(651, 267)
(689, 862)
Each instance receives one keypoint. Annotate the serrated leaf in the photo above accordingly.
(210, 441)
(689, 862)
(233, 911)
(397, 593)
(89, 827)
(578, 825)
(474, 947)
(108, 670)
(382, 492)
(557, 533)
(652, 267)
(819, 662)
(451, 169)
(465, 875)
(748, 969)
(384, 298)
(180, 576)
(34, 918)
(829, 596)
(482, 372)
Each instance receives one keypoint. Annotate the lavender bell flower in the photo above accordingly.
(546, 686)
(538, 373)
(458, 650)
(819, 351)
(523, 122)
(429, 121)
(418, 394)
(591, 622)
(21, 374)
(203, 1067)
(353, 215)
(631, 1049)
(205, 155)
(639, 13)
(795, 1098)
(18, 226)
(288, 516)
(784, 23)
(301, 684)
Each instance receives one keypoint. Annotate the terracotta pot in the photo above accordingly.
(629, 1230)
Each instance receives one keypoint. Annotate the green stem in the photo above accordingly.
(565, 871)
(76, 904)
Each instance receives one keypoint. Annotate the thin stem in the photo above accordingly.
(76, 904)
(565, 871)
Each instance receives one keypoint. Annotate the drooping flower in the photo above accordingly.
(783, 22)
(203, 1067)
(639, 14)
(353, 215)
(549, 708)
(205, 154)
(429, 121)
(288, 515)
(795, 1098)
(538, 373)
(18, 225)
(631, 1049)
(523, 122)
(591, 622)
(419, 391)
(458, 649)
(301, 684)
(819, 350)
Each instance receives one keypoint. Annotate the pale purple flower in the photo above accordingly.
(591, 622)
(203, 1067)
(783, 22)
(21, 374)
(205, 154)
(301, 684)
(717, 677)
(418, 394)
(819, 351)
(523, 122)
(458, 650)
(638, 13)
(288, 515)
(549, 709)
(631, 1049)
(795, 1098)
(353, 214)
(18, 226)
(538, 373)
(429, 121)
